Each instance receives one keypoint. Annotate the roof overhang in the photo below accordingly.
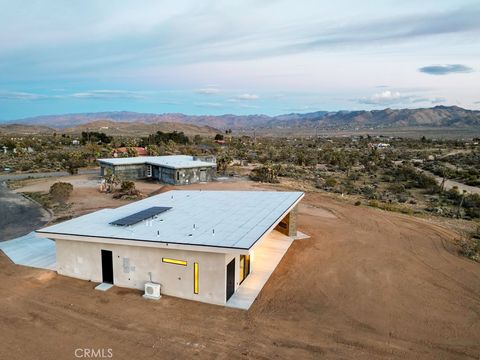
(143, 243)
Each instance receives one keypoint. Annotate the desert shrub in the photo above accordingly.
(127, 191)
(161, 137)
(390, 207)
(264, 173)
(370, 192)
(330, 182)
(97, 137)
(470, 246)
(358, 203)
(127, 186)
(471, 205)
(402, 198)
(60, 192)
(413, 178)
(223, 161)
(73, 163)
(354, 176)
(396, 188)
(153, 150)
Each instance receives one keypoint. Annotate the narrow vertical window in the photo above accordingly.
(195, 278)
(244, 267)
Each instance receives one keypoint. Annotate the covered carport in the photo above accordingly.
(266, 257)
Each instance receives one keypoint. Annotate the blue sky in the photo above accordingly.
(241, 57)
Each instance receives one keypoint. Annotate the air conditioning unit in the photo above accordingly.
(152, 291)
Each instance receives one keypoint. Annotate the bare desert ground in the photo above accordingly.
(85, 197)
(367, 285)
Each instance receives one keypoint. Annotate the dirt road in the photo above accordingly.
(452, 183)
(22, 176)
(367, 285)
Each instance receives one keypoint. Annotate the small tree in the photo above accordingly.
(60, 192)
(127, 186)
(132, 152)
(219, 137)
(222, 162)
(330, 182)
(265, 173)
(153, 150)
(111, 181)
(127, 191)
(73, 163)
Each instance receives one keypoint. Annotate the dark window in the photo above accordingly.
(230, 278)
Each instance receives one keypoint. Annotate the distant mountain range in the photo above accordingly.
(111, 128)
(436, 117)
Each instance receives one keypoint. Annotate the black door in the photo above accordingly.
(230, 279)
(107, 266)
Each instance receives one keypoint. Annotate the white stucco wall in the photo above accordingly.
(83, 260)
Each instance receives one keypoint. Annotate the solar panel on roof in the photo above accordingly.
(139, 216)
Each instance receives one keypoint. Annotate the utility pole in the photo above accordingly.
(442, 185)
(461, 203)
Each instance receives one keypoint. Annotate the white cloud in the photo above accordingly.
(208, 104)
(210, 90)
(15, 95)
(108, 94)
(388, 97)
(385, 97)
(247, 97)
(438, 100)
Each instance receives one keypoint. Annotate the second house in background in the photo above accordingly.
(174, 169)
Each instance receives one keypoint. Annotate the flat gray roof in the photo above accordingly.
(168, 161)
(227, 219)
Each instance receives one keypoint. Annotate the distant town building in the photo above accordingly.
(75, 142)
(379, 145)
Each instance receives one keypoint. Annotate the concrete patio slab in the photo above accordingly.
(301, 236)
(31, 250)
(266, 257)
(103, 287)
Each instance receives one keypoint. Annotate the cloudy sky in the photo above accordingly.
(241, 57)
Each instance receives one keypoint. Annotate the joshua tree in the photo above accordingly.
(111, 181)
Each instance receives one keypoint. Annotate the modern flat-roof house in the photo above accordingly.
(217, 247)
(172, 169)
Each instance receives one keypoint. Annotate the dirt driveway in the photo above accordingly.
(367, 285)
(19, 215)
